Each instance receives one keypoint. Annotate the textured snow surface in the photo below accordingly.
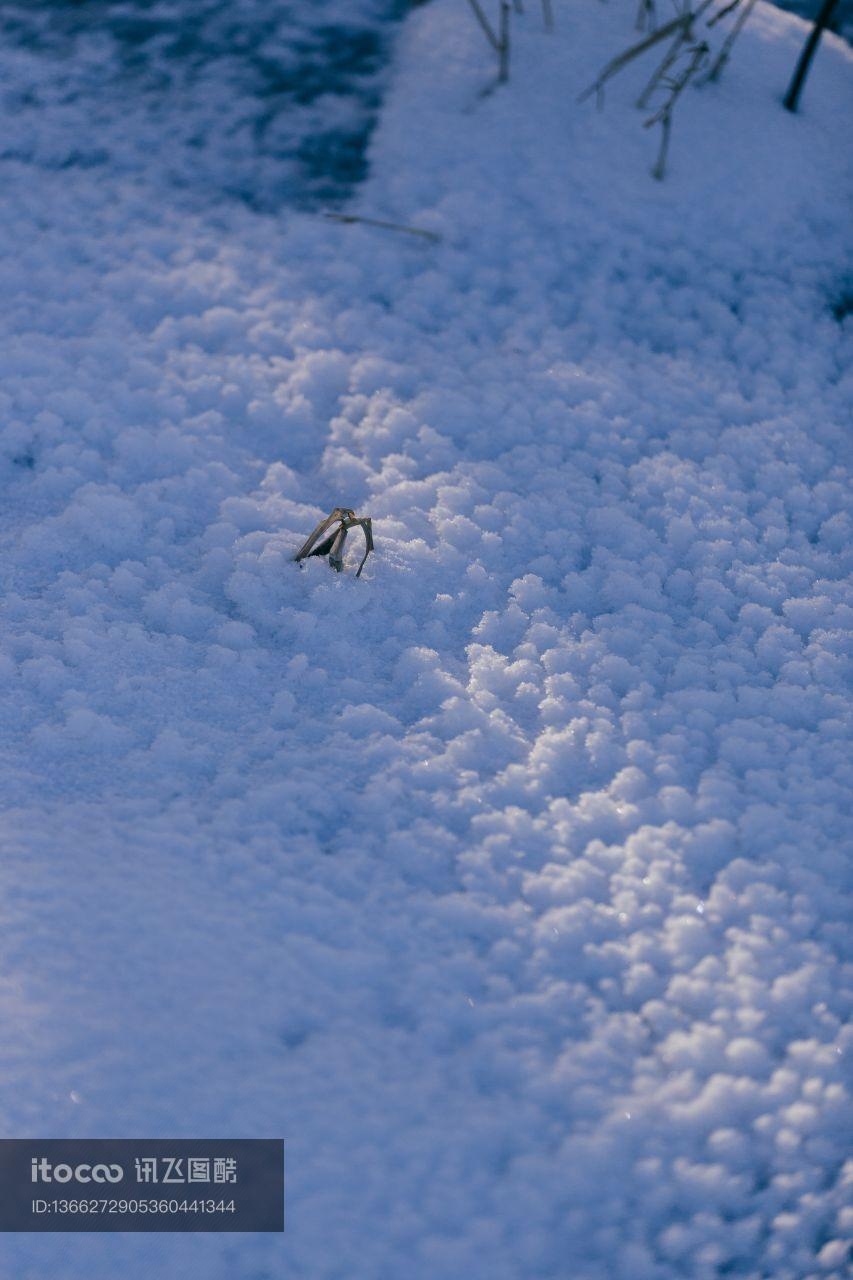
(510, 883)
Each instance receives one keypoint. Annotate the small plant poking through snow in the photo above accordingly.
(696, 57)
(499, 40)
(745, 8)
(681, 64)
(646, 16)
(689, 58)
(676, 27)
(340, 521)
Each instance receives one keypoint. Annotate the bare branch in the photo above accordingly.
(723, 13)
(646, 16)
(672, 55)
(660, 164)
(503, 47)
(726, 51)
(616, 64)
(486, 25)
(663, 116)
(499, 41)
(387, 226)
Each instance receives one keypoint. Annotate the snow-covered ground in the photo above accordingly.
(265, 101)
(510, 883)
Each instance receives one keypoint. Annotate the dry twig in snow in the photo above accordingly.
(646, 16)
(621, 60)
(673, 54)
(498, 40)
(723, 13)
(485, 24)
(663, 117)
(725, 53)
(387, 226)
(503, 47)
(333, 546)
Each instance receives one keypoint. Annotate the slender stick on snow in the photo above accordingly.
(548, 14)
(646, 16)
(660, 164)
(726, 51)
(664, 115)
(723, 13)
(792, 97)
(622, 60)
(503, 48)
(485, 24)
(499, 42)
(672, 55)
(367, 529)
(387, 226)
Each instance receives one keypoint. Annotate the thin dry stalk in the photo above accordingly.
(672, 55)
(660, 164)
(503, 47)
(621, 60)
(663, 117)
(387, 226)
(486, 25)
(333, 545)
(498, 40)
(646, 16)
(548, 15)
(726, 51)
(724, 13)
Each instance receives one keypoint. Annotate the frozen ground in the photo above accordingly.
(510, 884)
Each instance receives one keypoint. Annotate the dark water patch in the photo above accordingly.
(269, 101)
